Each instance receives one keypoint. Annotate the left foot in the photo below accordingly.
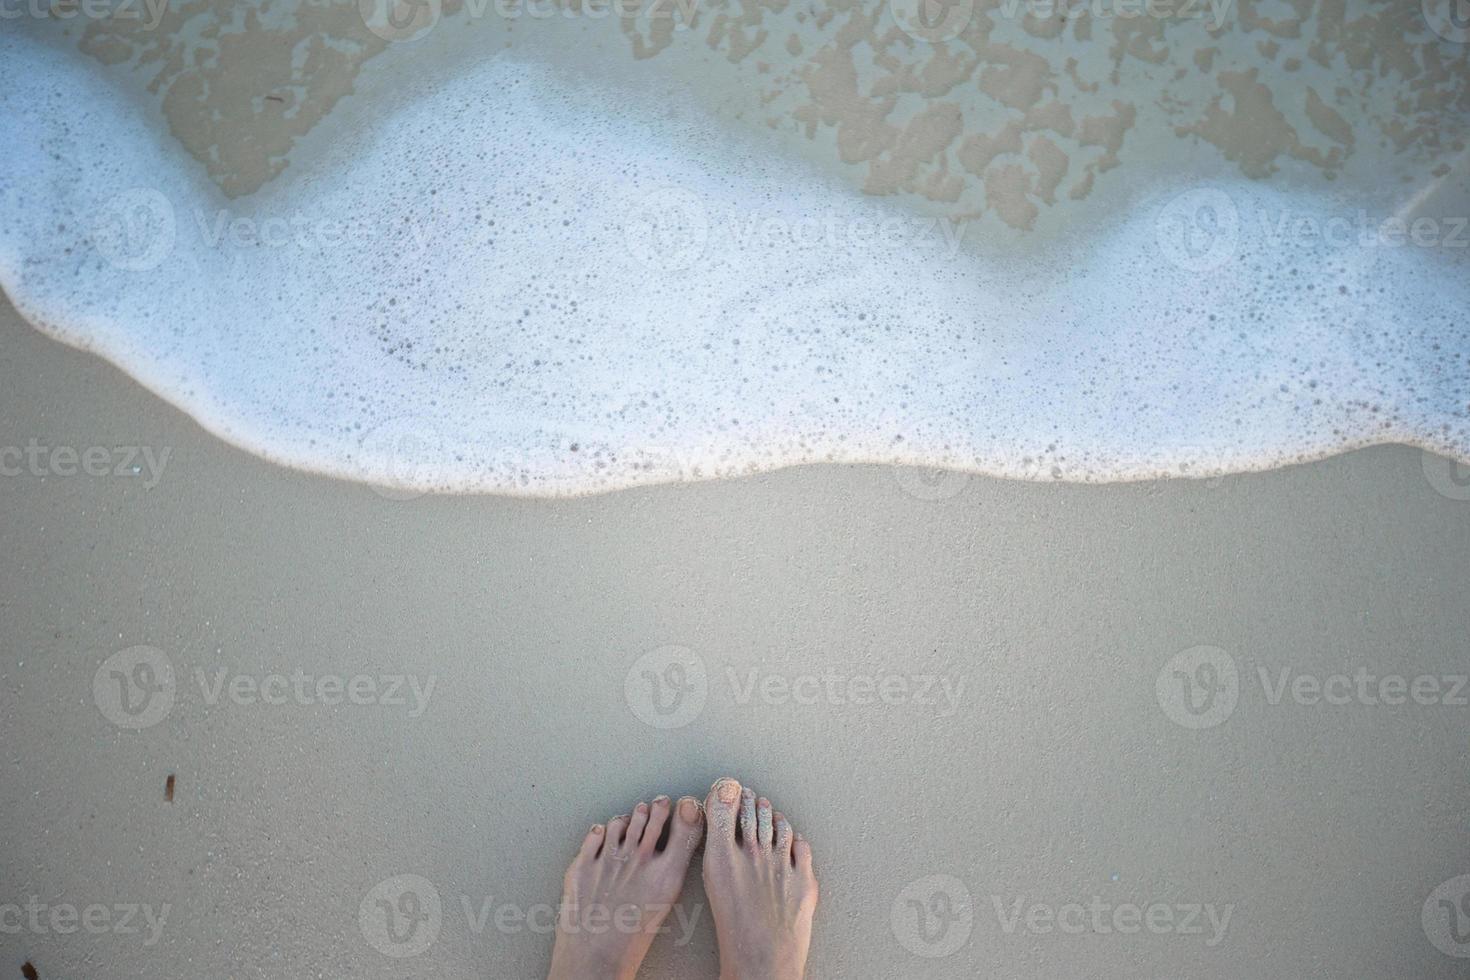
(620, 888)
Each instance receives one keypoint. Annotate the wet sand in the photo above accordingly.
(1004, 643)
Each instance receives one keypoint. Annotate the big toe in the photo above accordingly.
(721, 812)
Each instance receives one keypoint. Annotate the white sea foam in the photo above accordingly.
(510, 283)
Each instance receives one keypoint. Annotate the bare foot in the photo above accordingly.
(762, 892)
(619, 889)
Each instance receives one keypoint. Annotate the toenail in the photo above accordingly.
(660, 799)
(688, 809)
(597, 828)
(727, 790)
(641, 808)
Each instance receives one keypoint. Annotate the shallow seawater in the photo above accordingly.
(557, 248)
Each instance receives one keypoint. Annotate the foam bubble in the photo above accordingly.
(512, 283)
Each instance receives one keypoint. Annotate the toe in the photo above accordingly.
(747, 818)
(783, 838)
(658, 816)
(807, 889)
(591, 843)
(803, 852)
(636, 823)
(763, 823)
(688, 826)
(616, 828)
(720, 808)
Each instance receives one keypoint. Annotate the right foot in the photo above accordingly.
(762, 893)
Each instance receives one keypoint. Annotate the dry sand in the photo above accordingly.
(1054, 776)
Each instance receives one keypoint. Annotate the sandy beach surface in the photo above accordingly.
(258, 723)
(969, 694)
